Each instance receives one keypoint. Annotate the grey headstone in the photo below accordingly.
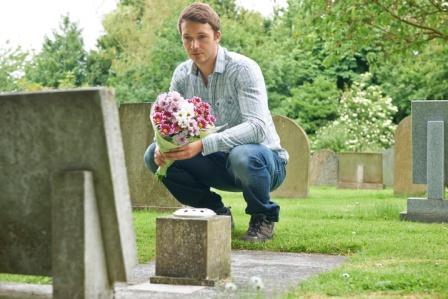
(137, 131)
(324, 168)
(422, 112)
(388, 167)
(429, 124)
(360, 170)
(47, 133)
(294, 139)
(193, 251)
(435, 151)
(79, 267)
(403, 184)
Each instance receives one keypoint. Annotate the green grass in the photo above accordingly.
(387, 258)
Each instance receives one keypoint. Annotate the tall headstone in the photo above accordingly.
(403, 184)
(294, 139)
(388, 167)
(430, 161)
(64, 199)
(137, 131)
(324, 168)
(360, 170)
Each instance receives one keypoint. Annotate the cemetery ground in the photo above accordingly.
(387, 258)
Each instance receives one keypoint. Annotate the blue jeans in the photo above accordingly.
(253, 169)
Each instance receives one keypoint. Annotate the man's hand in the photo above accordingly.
(184, 152)
(159, 158)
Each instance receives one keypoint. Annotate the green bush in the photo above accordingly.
(365, 122)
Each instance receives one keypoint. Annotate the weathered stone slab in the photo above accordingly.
(360, 170)
(429, 124)
(422, 112)
(137, 131)
(324, 168)
(294, 139)
(292, 268)
(194, 251)
(47, 133)
(403, 184)
(388, 167)
(79, 257)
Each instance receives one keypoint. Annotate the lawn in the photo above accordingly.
(387, 258)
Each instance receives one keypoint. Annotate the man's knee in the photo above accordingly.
(149, 158)
(245, 158)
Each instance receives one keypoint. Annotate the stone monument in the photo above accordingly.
(403, 184)
(360, 170)
(64, 202)
(430, 161)
(193, 247)
(294, 139)
(137, 131)
(324, 168)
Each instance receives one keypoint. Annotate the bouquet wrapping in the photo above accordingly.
(178, 121)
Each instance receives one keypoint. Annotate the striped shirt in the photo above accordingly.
(237, 94)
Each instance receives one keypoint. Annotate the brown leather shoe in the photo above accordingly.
(260, 229)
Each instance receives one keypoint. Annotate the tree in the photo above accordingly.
(61, 60)
(12, 63)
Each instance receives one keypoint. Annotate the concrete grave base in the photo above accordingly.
(426, 210)
(280, 273)
(192, 251)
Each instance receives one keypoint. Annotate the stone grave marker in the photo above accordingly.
(403, 184)
(388, 167)
(324, 168)
(360, 170)
(137, 131)
(430, 161)
(294, 139)
(65, 209)
(193, 247)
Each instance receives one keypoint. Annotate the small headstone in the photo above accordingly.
(360, 170)
(388, 167)
(403, 184)
(430, 161)
(136, 128)
(193, 247)
(294, 139)
(324, 168)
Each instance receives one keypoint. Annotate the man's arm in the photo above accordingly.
(253, 104)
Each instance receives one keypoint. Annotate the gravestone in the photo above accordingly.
(294, 139)
(403, 184)
(137, 131)
(65, 209)
(193, 249)
(388, 167)
(430, 161)
(360, 170)
(324, 168)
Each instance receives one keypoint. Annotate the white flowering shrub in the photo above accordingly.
(365, 121)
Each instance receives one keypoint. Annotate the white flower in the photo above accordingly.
(256, 283)
(345, 275)
(230, 287)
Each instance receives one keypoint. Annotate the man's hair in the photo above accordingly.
(199, 13)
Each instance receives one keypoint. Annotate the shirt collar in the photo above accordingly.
(220, 64)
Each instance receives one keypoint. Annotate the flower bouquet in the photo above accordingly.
(178, 121)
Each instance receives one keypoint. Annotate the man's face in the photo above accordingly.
(200, 42)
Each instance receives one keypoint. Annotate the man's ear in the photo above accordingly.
(218, 36)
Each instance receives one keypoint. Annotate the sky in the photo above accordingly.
(26, 22)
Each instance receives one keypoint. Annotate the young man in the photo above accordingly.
(247, 155)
